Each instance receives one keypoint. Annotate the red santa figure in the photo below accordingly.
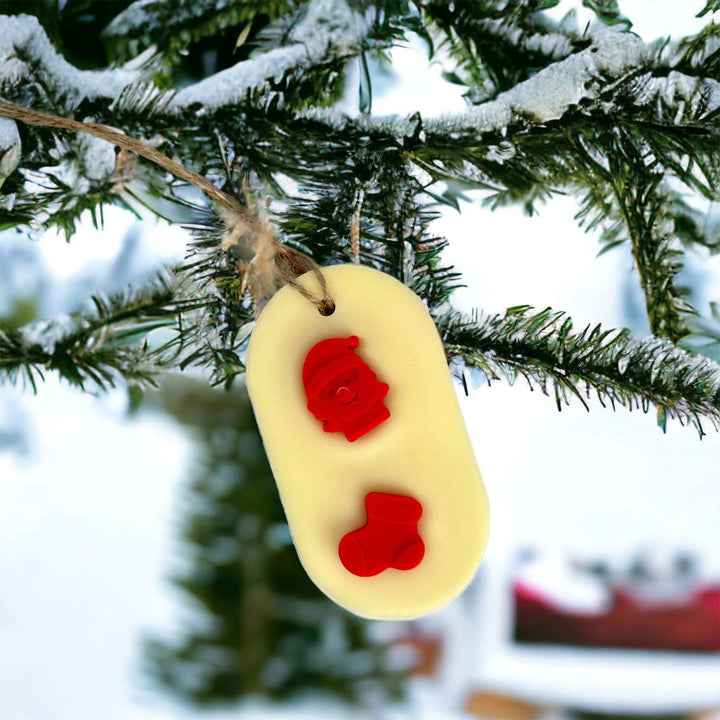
(342, 391)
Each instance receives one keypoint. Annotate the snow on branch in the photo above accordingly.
(679, 87)
(549, 44)
(548, 94)
(9, 148)
(329, 29)
(544, 348)
(544, 97)
(144, 16)
(96, 348)
(136, 15)
(25, 50)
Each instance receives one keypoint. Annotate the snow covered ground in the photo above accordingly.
(86, 492)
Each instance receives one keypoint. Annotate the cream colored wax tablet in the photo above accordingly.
(365, 437)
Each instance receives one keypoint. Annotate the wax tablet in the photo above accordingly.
(367, 443)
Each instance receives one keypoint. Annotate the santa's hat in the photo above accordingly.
(328, 359)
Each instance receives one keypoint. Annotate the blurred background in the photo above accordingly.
(147, 573)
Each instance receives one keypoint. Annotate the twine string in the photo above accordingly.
(355, 225)
(290, 262)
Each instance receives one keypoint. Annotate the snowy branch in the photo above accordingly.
(96, 348)
(135, 16)
(26, 51)
(678, 87)
(552, 45)
(544, 348)
(544, 97)
(329, 29)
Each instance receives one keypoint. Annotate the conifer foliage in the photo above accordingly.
(243, 93)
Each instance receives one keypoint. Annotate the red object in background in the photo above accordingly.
(389, 538)
(692, 626)
(342, 391)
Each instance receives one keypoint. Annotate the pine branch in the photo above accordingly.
(173, 27)
(554, 130)
(216, 333)
(711, 6)
(608, 11)
(697, 55)
(100, 347)
(544, 97)
(394, 220)
(329, 29)
(650, 227)
(542, 348)
(494, 53)
(630, 200)
(26, 54)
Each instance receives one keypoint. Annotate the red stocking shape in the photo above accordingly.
(389, 539)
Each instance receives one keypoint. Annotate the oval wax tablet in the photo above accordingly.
(367, 443)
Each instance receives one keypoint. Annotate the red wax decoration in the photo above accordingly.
(389, 539)
(342, 390)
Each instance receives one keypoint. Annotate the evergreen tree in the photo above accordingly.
(257, 623)
(242, 93)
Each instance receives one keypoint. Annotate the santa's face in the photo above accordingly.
(349, 394)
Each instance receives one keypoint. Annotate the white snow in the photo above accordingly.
(329, 28)
(681, 88)
(554, 45)
(47, 333)
(500, 153)
(24, 31)
(88, 532)
(544, 97)
(97, 157)
(332, 28)
(132, 17)
(10, 148)
(548, 94)
(565, 587)
(139, 15)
